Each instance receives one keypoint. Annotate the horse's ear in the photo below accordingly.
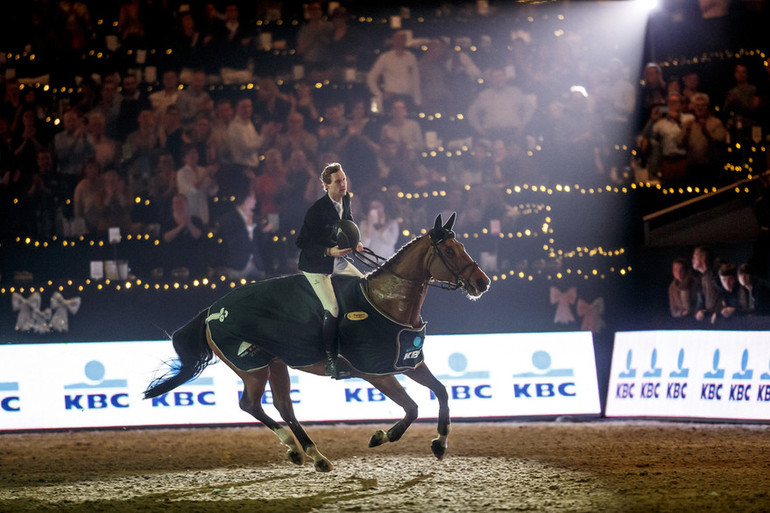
(450, 223)
(437, 224)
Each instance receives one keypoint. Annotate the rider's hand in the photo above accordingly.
(338, 252)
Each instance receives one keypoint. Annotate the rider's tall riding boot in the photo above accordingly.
(329, 332)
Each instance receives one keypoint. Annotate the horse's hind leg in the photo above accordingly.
(251, 402)
(280, 384)
(390, 386)
(425, 377)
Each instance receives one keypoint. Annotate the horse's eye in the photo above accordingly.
(450, 252)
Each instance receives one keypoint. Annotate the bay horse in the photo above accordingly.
(396, 290)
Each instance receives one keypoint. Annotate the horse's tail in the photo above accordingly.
(191, 345)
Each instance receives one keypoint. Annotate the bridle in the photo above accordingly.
(372, 260)
(460, 280)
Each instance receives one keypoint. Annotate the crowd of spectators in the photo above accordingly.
(713, 290)
(180, 147)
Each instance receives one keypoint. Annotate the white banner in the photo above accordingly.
(690, 374)
(47, 386)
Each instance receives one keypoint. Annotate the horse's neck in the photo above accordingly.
(399, 289)
(399, 299)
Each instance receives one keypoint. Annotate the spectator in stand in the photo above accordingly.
(271, 106)
(756, 289)
(230, 43)
(434, 77)
(88, 199)
(244, 141)
(501, 111)
(139, 152)
(682, 291)
(71, 148)
(357, 144)
(669, 133)
(398, 70)
(171, 134)
(462, 72)
(401, 129)
(296, 137)
(162, 186)
(473, 167)
(583, 140)
(201, 137)
(379, 231)
(314, 41)
(116, 205)
(132, 102)
(347, 44)
(108, 105)
(271, 189)
(690, 84)
(196, 183)
(167, 95)
(241, 232)
(742, 101)
(708, 298)
(194, 100)
(705, 138)
(333, 127)
(653, 89)
(182, 238)
(189, 45)
(616, 103)
(131, 24)
(734, 301)
(220, 140)
(302, 101)
(28, 141)
(106, 151)
(32, 101)
(302, 180)
(44, 196)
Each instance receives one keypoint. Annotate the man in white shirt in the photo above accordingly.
(245, 142)
(397, 68)
(501, 111)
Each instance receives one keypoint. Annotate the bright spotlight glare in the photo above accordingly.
(647, 5)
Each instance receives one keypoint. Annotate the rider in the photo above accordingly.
(321, 258)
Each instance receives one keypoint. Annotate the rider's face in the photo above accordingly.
(338, 186)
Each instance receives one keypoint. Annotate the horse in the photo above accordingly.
(396, 290)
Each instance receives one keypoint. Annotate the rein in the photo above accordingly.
(374, 261)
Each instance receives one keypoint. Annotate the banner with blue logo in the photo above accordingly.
(80, 385)
(690, 374)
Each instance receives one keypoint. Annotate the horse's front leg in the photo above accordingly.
(391, 388)
(425, 377)
(280, 385)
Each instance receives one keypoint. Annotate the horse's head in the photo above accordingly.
(453, 264)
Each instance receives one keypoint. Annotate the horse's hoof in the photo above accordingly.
(438, 448)
(296, 457)
(323, 465)
(378, 438)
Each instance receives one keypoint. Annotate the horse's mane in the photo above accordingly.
(390, 262)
